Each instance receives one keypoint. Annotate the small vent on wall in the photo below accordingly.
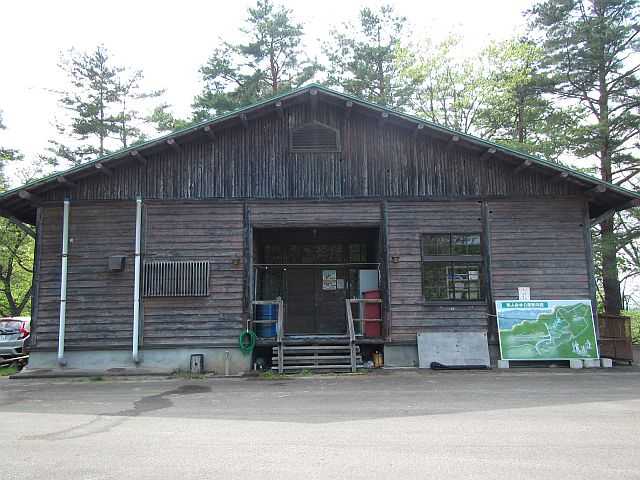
(176, 278)
(315, 137)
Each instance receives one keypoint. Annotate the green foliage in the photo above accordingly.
(635, 324)
(516, 112)
(270, 61)
(165, 121)
(367, 59)
(16, 254)
(16, 269)
(446, 88)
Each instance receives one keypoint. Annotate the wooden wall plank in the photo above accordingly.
(538, 244)
(197, 231)
(99, 302)
(411, 313)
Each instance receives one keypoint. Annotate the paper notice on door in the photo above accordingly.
(329, 280)
(340, 283)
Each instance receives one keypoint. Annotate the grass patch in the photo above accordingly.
(8, 370)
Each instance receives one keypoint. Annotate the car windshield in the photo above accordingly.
(10, 324)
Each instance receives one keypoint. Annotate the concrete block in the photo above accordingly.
(591, 363)
(606, 363)
(503, 363)
(453, 348)
(576, 363)
(400, 355)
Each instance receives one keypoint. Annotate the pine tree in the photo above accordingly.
(516, 111)
(269, 62)
(99, 106)
(365, 59)
(590, 48)
(129, 120)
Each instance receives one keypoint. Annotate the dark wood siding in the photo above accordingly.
(100, 302)
(538, 244)
(410, 313)
(255, 162)
(199, 231)
(300, 214)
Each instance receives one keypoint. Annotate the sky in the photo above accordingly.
(169, 41)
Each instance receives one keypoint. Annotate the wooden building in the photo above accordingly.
(294, 210)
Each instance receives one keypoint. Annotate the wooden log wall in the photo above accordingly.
(100, 302)
(539, 244)
(376, 160)
(197, 231)
(319, 214)
(410, 312)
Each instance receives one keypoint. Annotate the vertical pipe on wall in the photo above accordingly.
(63, 282)
(136, 283)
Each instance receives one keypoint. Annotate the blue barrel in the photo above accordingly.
(266, 312)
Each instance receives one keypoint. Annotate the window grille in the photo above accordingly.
(315, 137)
(176, 278)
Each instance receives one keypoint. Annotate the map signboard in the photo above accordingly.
(546, 330)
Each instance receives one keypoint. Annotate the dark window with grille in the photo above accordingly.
(176, 278)
(452, 267)
(315, 137)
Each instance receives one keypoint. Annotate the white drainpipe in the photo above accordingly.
(63, 283)
(136, 285)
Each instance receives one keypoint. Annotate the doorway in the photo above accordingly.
(314, 271)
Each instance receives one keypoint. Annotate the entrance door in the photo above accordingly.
(315, 302)
(300, 313)
(330, 297)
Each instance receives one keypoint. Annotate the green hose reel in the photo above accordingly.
(247, 342)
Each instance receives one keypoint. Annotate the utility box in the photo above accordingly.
(117, 263)
(197, 364)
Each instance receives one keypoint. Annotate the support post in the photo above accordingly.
(63, 283)
(136, 283)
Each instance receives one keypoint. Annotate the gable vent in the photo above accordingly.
(315, 137)
(176, 278)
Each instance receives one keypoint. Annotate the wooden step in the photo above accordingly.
(346, 359)
(314, 348)
(332, 368)
(319, 357)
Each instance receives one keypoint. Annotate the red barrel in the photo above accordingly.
(372, 311)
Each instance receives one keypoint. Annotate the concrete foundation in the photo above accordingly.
(169, 359)
(503, 363)
(401, 355)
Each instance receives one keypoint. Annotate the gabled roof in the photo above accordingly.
(18, 202)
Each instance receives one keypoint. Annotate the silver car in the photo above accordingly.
(15, 334)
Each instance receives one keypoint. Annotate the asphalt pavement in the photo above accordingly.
(516, 424)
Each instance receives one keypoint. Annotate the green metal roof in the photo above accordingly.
(347, 97)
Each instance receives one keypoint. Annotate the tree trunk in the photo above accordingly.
(609, 244)
(610, 281)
